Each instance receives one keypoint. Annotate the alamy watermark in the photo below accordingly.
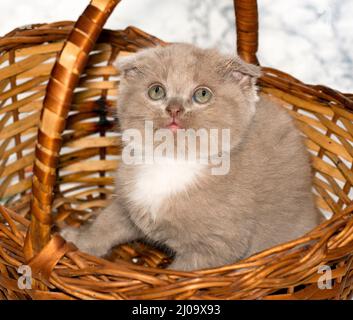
(25, 280)
(325, 281)
(206, 147)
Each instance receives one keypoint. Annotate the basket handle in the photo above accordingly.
(247, 28)
(64, 78)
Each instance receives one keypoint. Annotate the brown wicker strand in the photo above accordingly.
(247, 26)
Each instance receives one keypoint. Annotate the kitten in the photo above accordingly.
(209, 220)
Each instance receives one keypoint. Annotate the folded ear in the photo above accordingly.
(242, 73)
(129, 66)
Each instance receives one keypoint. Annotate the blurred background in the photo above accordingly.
(310, 39)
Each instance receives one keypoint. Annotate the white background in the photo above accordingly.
(310, 39)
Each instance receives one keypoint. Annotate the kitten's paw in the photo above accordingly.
(181, 265)
(84, 242)
(194, 261)
(70, 234)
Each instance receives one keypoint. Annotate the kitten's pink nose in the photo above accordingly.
(175, 110)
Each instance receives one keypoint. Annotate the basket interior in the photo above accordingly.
(91, 144)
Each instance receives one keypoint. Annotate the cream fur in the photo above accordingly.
(155, 183)
(265, 198)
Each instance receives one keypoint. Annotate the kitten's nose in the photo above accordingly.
(175, 110)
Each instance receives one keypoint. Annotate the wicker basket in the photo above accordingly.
(58, 149)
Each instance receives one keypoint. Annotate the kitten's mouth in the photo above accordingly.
(174, 125)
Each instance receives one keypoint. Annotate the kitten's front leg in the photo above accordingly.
(110, 228)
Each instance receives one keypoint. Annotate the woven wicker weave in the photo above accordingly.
(58, 149)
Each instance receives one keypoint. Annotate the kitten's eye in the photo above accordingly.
(202, 95)
(156, 92)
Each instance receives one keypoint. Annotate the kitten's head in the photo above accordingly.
(181, 86)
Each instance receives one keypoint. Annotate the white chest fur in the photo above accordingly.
(155, 183)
